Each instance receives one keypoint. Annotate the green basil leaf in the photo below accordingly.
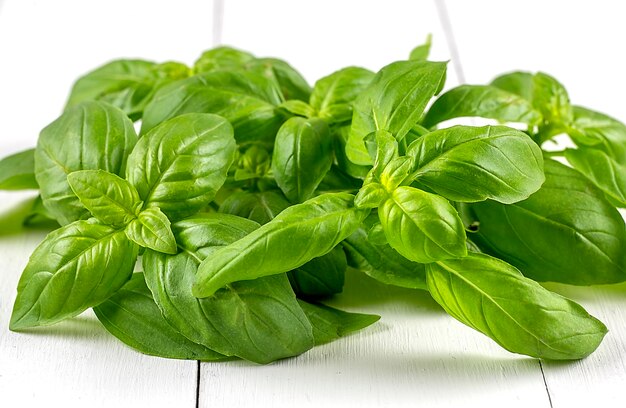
(298, 108)
(39, 216)
(421, 52)
(603, 171)
(151, 229)
(371, 195)
(422, 227)
(566, 232)
(302, 157)
(320, 277)
(108, 197)
(246, 99)
(519, 83)
(394, 101)
(76, 267)
(336, 180)
(291, 83)
(600, 131)
(382, 262)
(469, 164)
(340, 139)
(221, 58)
(17, 171)
(551, 99)
(89, 136)
(329, 323)
(282, 244)
(481, 101)
(259, 207)
(132, 316)
(179, 165)
(257, 320)
(494, 298)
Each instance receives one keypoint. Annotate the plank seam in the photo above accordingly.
(545, 383)
(444, 19)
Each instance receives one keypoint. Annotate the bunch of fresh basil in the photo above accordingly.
(247, 195)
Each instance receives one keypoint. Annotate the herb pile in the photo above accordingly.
(246, 194)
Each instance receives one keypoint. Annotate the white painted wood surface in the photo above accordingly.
(416, 355)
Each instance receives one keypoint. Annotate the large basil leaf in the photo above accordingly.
(565, 232)
(494, 298)
(282, 244)
(600, 131)
(302, 157)
(74, 268)
(330, 324)
(481, 101)
(382, 262)
(179, 165)
(258, 320)
(322, 276)
(89, 136)
(469, 164)
(291, 83)
(394, 101)
(421, 226)
(248, 100)
(132, 316)
(17, 171)
(259, 207)
(110, 198)
(602, 170)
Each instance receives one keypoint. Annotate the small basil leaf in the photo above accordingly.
(298, 108)
(108, 197)
(386, 150)
(340, 138)
(17, 171)
(151, 229)
(422, 227)
(470, 164)
(320, 277)
(291, 83)
(566, 232)
(394, 101)
(330, 324)
(551, 99)
(371, 195)
(179, 166)
(494, 298)
(221, 58)
(89, 136)
(603, 171)
(421, 52)
(599, 130)
(282, 244)
(481, 101)
(76, 267)
(519, 83)
(259, 207)
(302, 157)
(132, 316)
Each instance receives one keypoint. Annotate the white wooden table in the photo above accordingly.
(416, 355)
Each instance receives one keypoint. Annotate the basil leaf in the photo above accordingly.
(470, 164)
(600, 131)
(291, 83)
(330, 324)
(221, 58)
(151, 229)
(494, 298)
(180, 164)
(394, 101)
(481, 101)
(282, 244)
(421, 52)
(603, 171)
(551, 99)
(132, 316)
(519, 83)
(340, 139)
(320, 277)
(246, 99)
(17, 171)
(565, 232)
(76, 267)
(302, 157)
(108, 197)
(422, 227)
(382, 262)
(258, 207)
(89, 136)
(298, 108)
(257, 320)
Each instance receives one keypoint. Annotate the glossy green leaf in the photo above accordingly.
(221, 58)
(76, 267)
(341, 88)
(17, 171)
(494, 298)
(302, 157)
(469, 164)
(298, 108)
(603, 171)
(422, 227)
(89, 136)
(394, 101)
(260, 207)
(329, 323)
(108, 197)
(481, 101)
(151, 229)
(282, 244)
(179, 165)
(248, 100)
(551, 99)
(132, 316)
(292, 84)
(257, 320)
(421, 52)
(340, 137)
(519, 83)
(565, 232)
(600, 131)
(320, 277)
(371, 195)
